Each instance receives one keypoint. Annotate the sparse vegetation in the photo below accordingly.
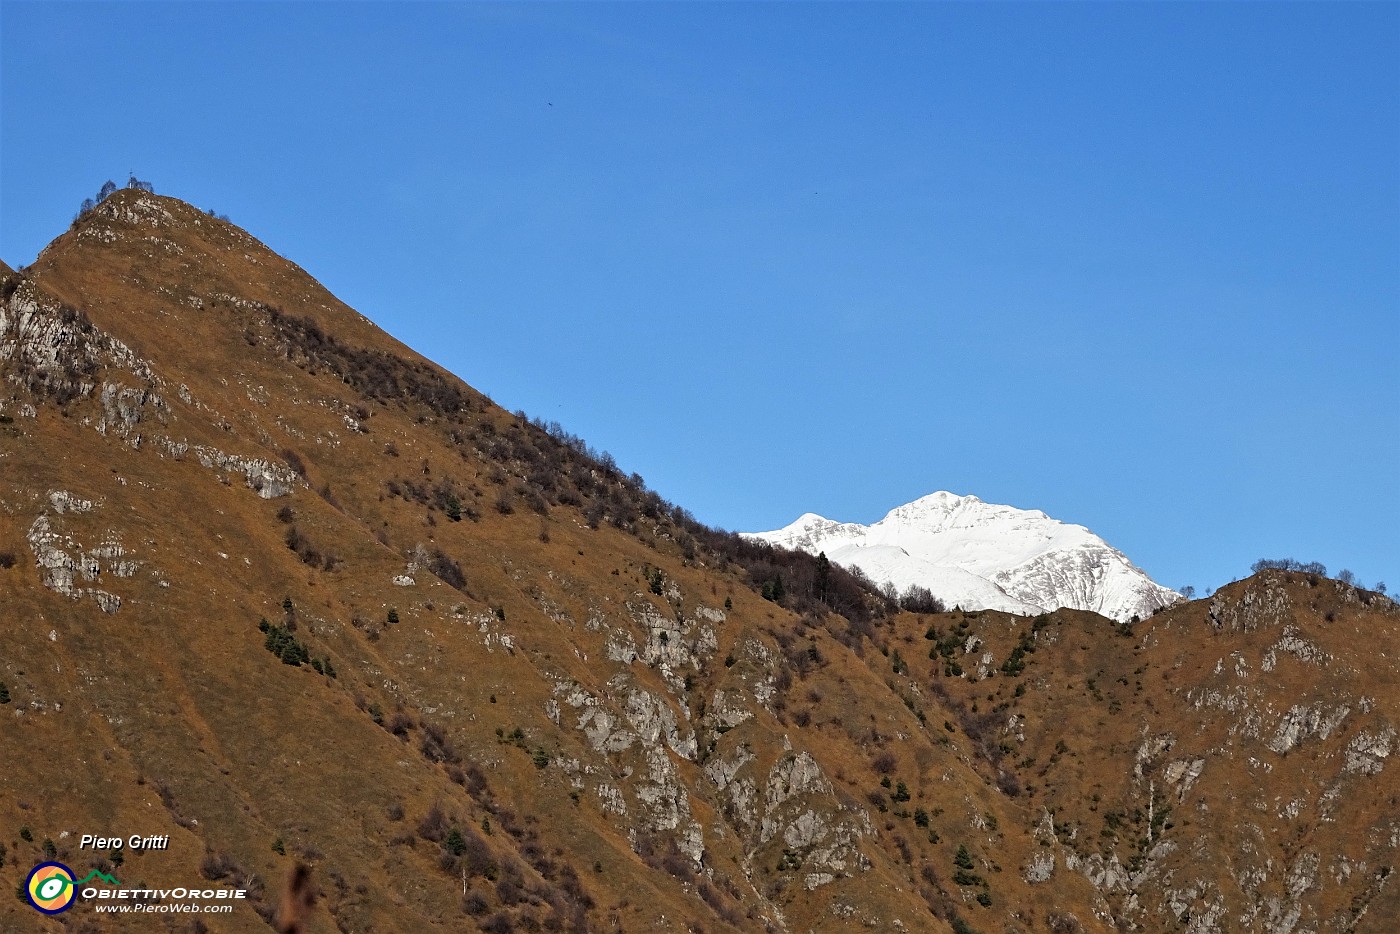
(1288, 564)
(310, 555)
(447, 569)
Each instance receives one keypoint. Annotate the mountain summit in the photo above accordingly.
(982, 556)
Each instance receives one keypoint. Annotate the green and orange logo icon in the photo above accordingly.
(51, 888)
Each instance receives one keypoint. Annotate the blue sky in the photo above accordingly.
(1135, 265)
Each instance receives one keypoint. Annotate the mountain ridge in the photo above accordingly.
(281, 589)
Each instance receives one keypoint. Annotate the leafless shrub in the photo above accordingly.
(727, 912)
(294, 461)
(476, 780)
(217, 866)
(435, 746)
(510, 891)
(447, 570)
(433, 826)
(500, 923)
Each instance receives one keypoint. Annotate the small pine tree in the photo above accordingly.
(287, 606)
(4, 693)
(26, 834)
(300, 654)
(964, 859)
(454, 843)
(393, 616)
(279, 847)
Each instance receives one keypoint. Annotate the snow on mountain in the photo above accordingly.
(978, 555)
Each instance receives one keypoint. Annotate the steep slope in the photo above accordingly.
(277, 587)
(978, 555)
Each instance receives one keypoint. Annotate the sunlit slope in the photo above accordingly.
(498, 685)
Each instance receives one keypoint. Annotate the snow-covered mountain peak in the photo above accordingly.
(981, 555)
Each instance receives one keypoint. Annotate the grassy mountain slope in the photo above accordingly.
(557, 702)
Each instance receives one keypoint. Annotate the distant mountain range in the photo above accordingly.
(980, 556)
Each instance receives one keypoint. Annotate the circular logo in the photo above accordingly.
(50, 887)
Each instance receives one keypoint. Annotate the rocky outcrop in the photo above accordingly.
(64, 565)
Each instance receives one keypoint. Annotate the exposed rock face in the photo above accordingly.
(268, 480)
(65, 565)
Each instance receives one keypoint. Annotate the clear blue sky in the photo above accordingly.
(1136, 265)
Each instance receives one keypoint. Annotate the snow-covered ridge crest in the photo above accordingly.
(978, 555)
